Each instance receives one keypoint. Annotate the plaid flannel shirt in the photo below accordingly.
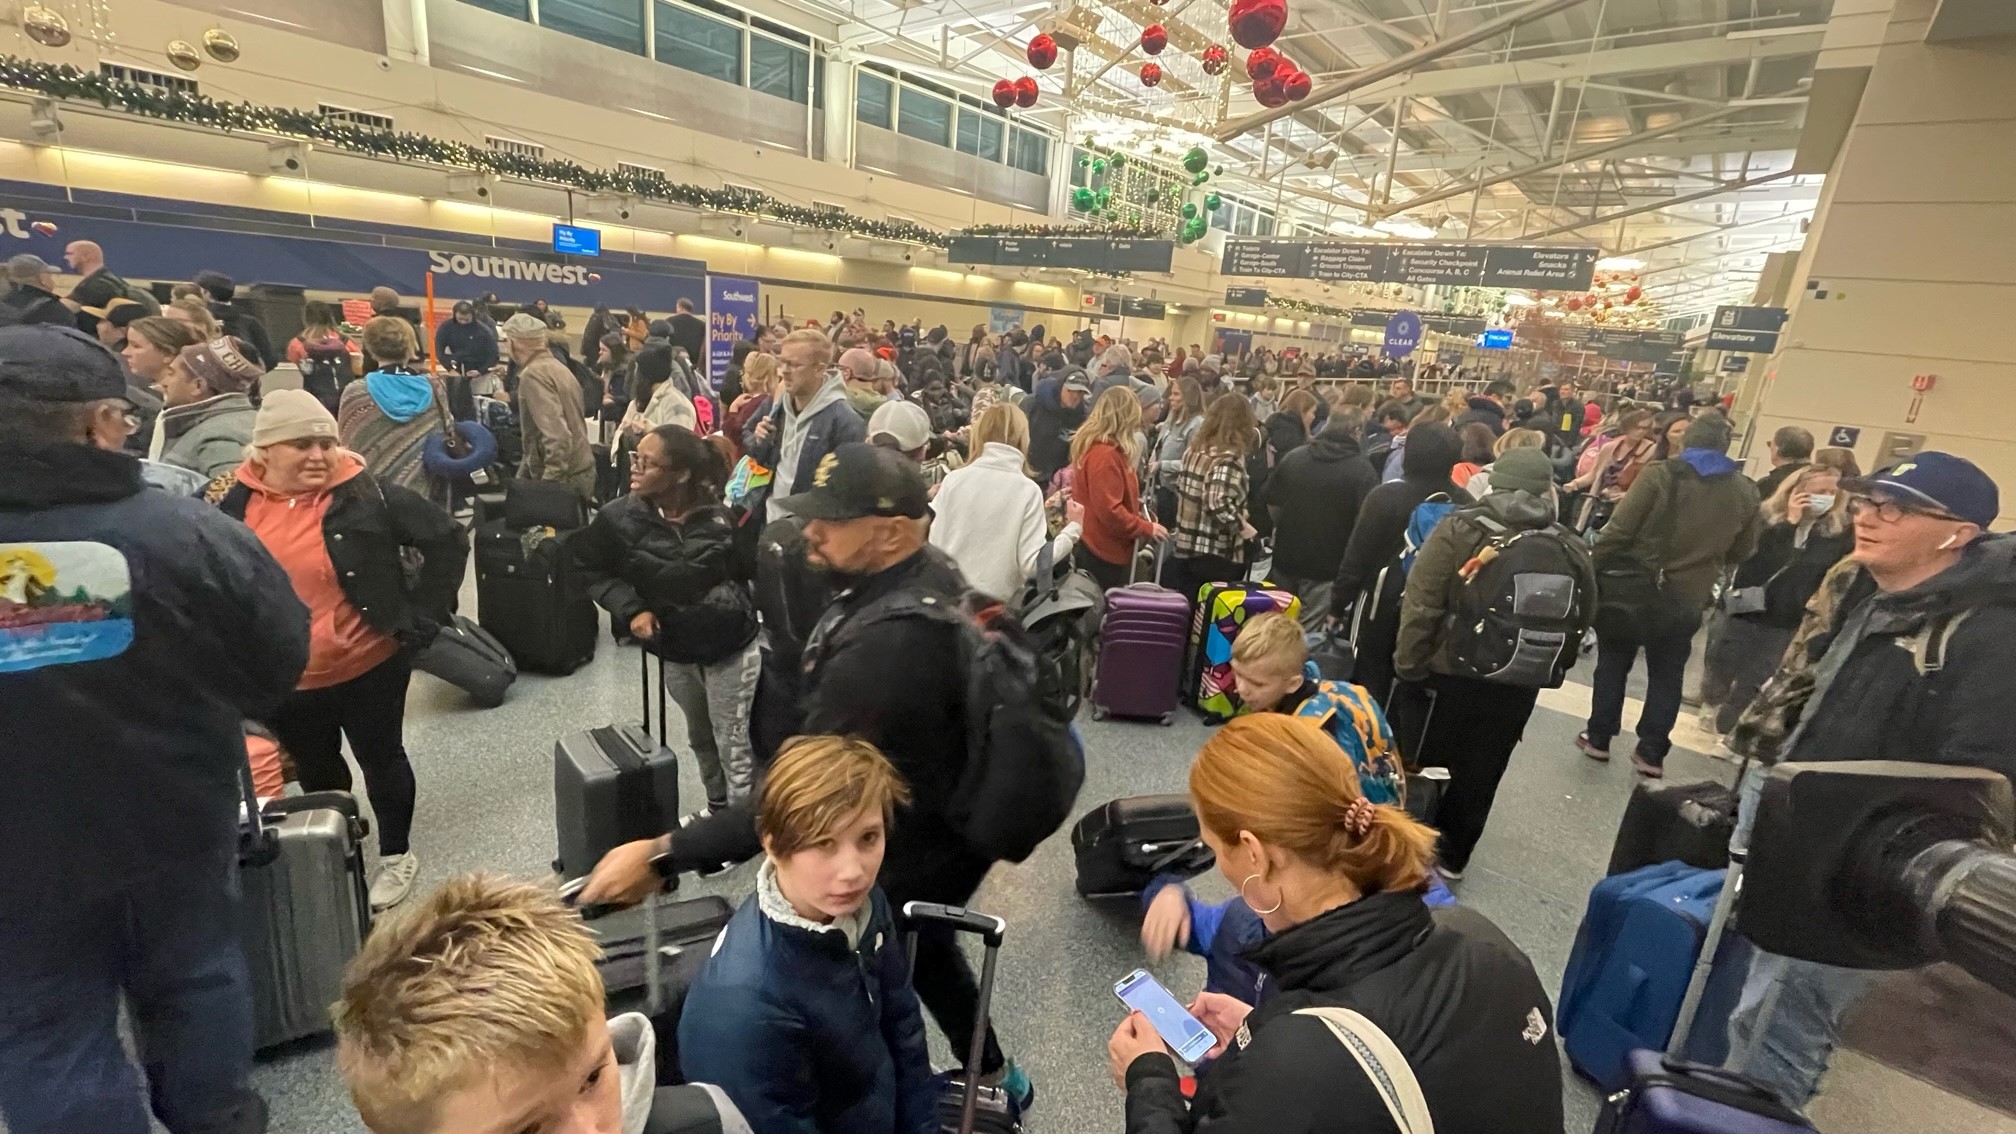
(1210, 504)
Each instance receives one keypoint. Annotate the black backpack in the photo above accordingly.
(1024, 765)
(1519, 619)
(325, 372)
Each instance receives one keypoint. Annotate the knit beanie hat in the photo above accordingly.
(1522, 468)
(291, 415)
(221, 364)
(524, 326)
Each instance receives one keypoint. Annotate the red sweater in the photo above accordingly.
(1106, 485)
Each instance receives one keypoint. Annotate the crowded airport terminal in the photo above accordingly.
(1007, 567)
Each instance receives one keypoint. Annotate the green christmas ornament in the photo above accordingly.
(1105, 196)
(1152, 197)
(1189, 210)
(1084, 161)
(1117, 161)
(1212, 201)
(1083, 199)
(1099, 166)
(1195, 228)
(1196, 161)
(1133, 218)
(1201, 178)
(1155, 149)
(1219, 172)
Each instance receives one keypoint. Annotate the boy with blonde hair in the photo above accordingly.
(479, 1011)
(1271, 671)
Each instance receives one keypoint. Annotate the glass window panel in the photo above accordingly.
(872, 100)
(516, 9)
(612, 23)
(818, 82)
(980, 134)
(924, 117)
(778, 69)
(1030, 152)
(697, 43)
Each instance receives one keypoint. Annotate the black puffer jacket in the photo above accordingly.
(1315, 493)
(1483, 411)
(1790, 571)
(367, 525)
(636, 560)
(1461, 1002)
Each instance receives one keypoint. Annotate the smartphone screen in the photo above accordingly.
(1178, 1028)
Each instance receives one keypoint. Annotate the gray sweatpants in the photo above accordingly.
(715, 700)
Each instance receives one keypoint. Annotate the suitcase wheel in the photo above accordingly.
(1168, 719)
(1099, 712)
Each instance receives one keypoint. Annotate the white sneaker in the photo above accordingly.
(1706, 719)
(394, 880)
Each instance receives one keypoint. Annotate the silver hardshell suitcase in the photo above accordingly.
(305, 910)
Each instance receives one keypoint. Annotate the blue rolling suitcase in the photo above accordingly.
(1632, 960)
(1666, 1096)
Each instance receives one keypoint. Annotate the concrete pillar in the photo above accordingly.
(839, 96)
(406, 37)
(1910, 268)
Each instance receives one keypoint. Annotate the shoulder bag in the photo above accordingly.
(1383, 1063)
(1632, 603)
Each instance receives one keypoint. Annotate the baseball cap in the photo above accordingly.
(50, 363)
(1077, 381)
(524, 326)
(905, 422)
(858, 480)
(1940, 481)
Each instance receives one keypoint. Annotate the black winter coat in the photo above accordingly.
(635, 560)
(368, 525)
(125, 763)
(1315, 493)
(1457, 997)
(465, 346)
(1788, 574)
(1051, 425)
(27, 304)
(1285, 434)
(1483, 411)
(246, 328)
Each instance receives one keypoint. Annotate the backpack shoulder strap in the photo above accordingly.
(1383, 1063)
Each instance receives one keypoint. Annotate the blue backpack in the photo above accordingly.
(1427, 514)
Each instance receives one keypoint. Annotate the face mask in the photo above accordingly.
(1820, 503)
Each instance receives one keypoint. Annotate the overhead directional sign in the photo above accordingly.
(1245, 297)
(1753, 330)
(1495, 340)
(1548, 266)
(1088, 253)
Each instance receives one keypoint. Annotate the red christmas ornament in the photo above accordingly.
(1004, 93)
(1270, 92)
(1151, 74)
(1042, 52)
(1154, 38)
(1297, 85)
(1634, 294)
(1257, 23)
(1215, 58)
(1263, 63)
(1574, 303)
(594, 277)
(1025, 92)
(43, 227)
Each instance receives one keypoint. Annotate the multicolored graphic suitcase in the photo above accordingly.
(1222, 608)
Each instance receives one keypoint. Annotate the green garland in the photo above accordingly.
(1303, 306)
(1123, 231)
(61, 81)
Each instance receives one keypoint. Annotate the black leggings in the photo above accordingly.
(371, 711)
(1187, 574)
(1107, 575)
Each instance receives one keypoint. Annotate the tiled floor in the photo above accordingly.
(485, 804)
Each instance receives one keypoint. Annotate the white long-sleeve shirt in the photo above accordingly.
(989, 519)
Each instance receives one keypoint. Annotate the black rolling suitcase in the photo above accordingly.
(472, 659)
(531, 596)
(966, 1107)
(306, 907)
(662, 947)
(613, 785)
(1122, 846)
(1688, 822)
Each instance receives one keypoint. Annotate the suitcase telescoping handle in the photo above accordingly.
(654, 983)
(644, 655)
(258, 843)
(990, 930)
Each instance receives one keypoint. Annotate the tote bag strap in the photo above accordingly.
(1383, 1063)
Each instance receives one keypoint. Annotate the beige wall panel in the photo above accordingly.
(1961, 244)
(1909, 320)
(1914, 82)
(1970, 162)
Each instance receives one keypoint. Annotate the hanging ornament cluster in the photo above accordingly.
(1257, 23)
(1154, 38)
(1277, 81)
(1004, 93)
(45, 26)
(1215, 58)
(1151, 74)
(1262, 64)
(1042, 51)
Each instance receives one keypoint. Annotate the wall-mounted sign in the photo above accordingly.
(1559, 266)
(1752, 330)
(1403, 334)
(1844, 436)
(572, 240)
(1495, 340)
(1245, 297)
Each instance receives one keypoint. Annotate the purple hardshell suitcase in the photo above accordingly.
(1670, 1097)
(1142, 638)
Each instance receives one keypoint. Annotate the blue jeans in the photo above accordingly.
(1789, 1018)
(169, 943)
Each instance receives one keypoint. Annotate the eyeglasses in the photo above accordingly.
(640, 461)
(1890, 511)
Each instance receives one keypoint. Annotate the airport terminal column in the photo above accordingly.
(839, 111)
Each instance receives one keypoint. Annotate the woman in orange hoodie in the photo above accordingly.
(339, 533)
(1104, 453)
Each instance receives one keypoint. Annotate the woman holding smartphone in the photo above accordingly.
(1338, 882)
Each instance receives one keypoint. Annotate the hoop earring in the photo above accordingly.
(1249, 902)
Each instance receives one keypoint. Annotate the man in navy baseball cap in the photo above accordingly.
(1934, 484)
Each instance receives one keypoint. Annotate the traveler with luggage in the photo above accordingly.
(989, 515)
(552, 427)
(124, 751)
(1682, 523)
(1611, 468)
(778, 1017)
(1184, 414)
(480, 1008)
(466, 348)
(342, 535)
(1270, 663)
(1493, 612)
(1806, 532)
(1208, 543)
(388, 417)
(661, 560)
(1314, 495)
(1356, 962)
(1904, 654)
(1366, 592)
(809, 420)
(206, 415)
(862, 524)
(1104, 454)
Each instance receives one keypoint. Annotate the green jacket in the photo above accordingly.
(1691, 526)
(1432, 584)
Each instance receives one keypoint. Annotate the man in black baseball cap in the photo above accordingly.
(138, 631)
(1919, 664)
(861, 513)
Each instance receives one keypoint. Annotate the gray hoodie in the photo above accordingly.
(207, 437)
(796, 425)
(637, 1065)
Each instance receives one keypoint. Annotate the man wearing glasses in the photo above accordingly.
(1908, 652)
